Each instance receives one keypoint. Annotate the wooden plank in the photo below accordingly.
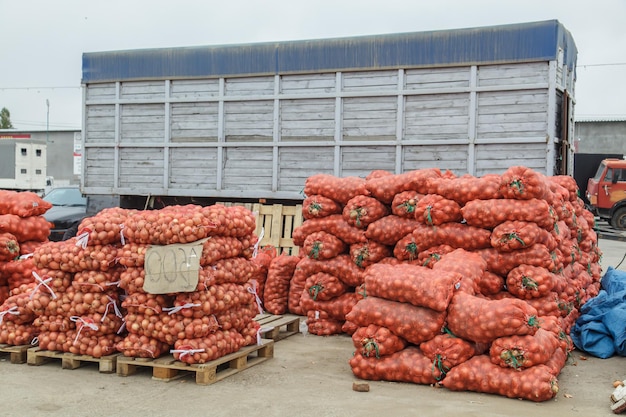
(276, 225)
(167, 368)
(605, 231)
(36, 357)
(278, 327)
(17, 353)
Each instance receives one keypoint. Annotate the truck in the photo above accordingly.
(250, 122)
(23, 166)
(606, 192)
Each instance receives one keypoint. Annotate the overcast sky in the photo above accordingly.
(43, 40)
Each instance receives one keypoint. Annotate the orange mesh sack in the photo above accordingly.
(523, 183)
(315, 206)
(434, 210)
(362, 210)
(336, 188)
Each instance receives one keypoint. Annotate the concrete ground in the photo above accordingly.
(308, 376)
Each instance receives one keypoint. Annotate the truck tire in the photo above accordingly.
(618, 221)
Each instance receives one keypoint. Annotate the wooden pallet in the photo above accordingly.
(277, 327)
(166, 368)
(605, 231)
(37, 356)
(276, 223)
(17, 353)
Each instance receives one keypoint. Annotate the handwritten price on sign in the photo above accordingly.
(172, 268)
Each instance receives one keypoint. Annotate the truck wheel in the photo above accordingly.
(618, 221)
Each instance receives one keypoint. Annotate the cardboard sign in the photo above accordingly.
(172, 268)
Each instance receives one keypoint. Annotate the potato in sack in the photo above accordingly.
(279, 276)
(406, 365)
(322, 245)
(320, 324)
(467, 188)
(369, 253)
(137, 346)
(9, 247)
(523, 351)
(457, 235)
(447, 351)
(414, 324)
(432, 255)
(336, 188)
(334, 224)
(417, 285)
(341, 266)
(15, 334)
(202, 350)
(22, 203)
(527, 281)
(519, 182)
(104, 228)
(434, 210)
(360, 211)
(515, 234)
(376, 341)
(479, 374)
(488, 214)
(482, 320)
(322, 286)
(403, 204)
(35, 228)
(315, 206)
(336, 308)
(390, 229)
(385, 188)
(502, 263)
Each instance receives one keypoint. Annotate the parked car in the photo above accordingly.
(69, 208)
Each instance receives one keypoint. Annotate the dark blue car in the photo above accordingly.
(69, 208)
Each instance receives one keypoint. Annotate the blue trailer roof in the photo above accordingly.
(523, 42)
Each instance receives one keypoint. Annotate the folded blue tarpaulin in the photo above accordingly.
(601, 327)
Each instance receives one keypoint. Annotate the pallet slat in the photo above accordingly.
(36, 357)
(167, 368)
(17, 353)
(278, 327)
(276, 223)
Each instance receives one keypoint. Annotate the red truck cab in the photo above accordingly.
(606, 192)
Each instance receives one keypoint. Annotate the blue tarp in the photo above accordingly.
(601, 328)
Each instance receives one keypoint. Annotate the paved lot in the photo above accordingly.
(308, 376)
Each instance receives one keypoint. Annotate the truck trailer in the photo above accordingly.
(248, 122)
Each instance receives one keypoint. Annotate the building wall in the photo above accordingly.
(60, 152)
(601, 136)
